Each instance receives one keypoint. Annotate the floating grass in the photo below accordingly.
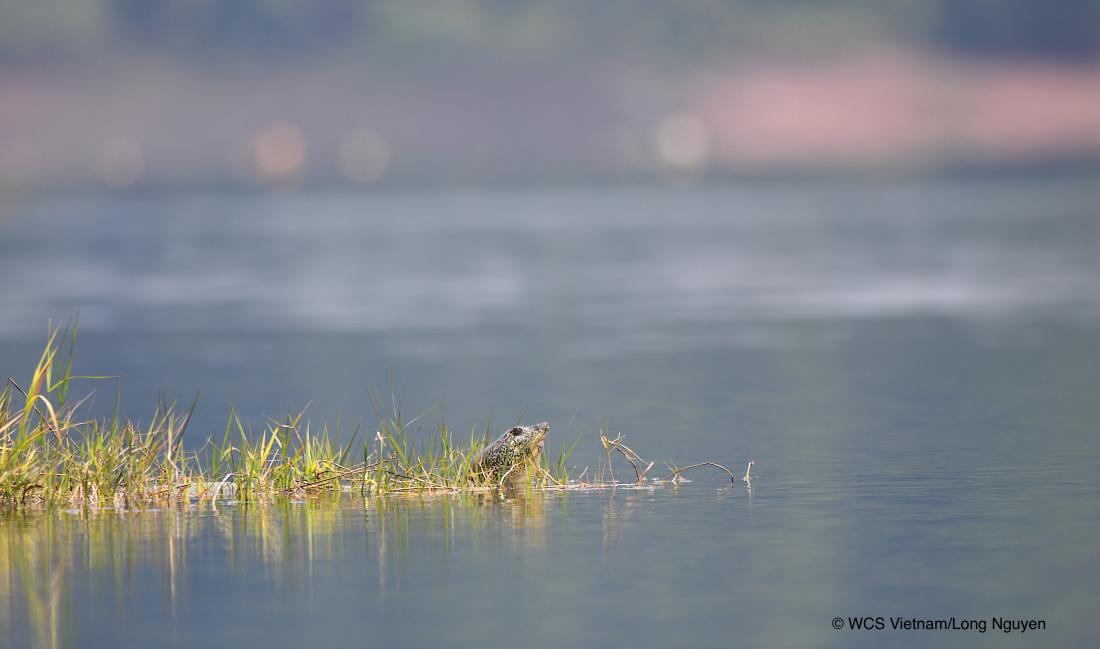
(52, 454)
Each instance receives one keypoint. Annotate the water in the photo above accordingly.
(914, 364)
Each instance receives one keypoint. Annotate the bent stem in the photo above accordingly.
(677, 472)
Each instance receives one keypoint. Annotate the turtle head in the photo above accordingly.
(517, 445)
(527, 440)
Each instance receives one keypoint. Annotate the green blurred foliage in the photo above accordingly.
(411, 29)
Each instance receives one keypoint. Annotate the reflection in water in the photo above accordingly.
(622, 503)
(34, 570)
(49, 560)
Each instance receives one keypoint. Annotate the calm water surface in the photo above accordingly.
(915, 366)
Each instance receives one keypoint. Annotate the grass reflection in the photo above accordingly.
(60, 568)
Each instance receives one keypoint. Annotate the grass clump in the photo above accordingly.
(52, 455)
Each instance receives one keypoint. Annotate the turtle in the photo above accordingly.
(504, 459)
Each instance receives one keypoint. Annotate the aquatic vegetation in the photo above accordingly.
(52, 454)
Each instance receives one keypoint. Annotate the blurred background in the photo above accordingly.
(121, 93)
(582, 209)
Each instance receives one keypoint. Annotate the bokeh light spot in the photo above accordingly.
(682, 140)
(279, 152)
(364, 157)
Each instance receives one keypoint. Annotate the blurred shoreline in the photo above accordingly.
(160, 123)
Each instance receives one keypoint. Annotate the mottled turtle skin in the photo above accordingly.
(513, 447)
